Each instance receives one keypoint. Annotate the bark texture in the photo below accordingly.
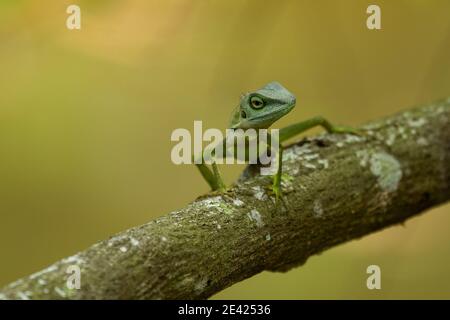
(336, 188)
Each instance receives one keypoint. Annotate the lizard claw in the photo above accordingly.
(274, 190)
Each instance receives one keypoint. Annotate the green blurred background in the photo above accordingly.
(86, 118)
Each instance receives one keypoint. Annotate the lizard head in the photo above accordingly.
(260, 108)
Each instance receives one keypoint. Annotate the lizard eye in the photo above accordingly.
(256, 102)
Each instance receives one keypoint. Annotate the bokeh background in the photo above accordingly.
(86, 118)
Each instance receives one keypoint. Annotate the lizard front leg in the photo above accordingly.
(276, 154)
(295, 129)
(210, 177)
(299, 127)
(220, 185)
(214, 178)
(276, 185)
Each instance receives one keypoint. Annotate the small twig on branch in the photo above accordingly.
(336, 188)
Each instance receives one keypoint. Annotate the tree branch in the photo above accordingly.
(336, 188)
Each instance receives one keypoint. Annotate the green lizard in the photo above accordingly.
(259, 110)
